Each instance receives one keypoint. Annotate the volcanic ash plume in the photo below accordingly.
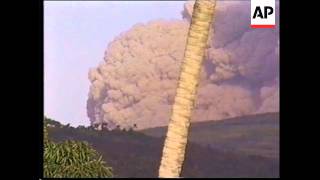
(136, 82)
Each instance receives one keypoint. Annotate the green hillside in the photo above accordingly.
(134, 154)
(255, 134)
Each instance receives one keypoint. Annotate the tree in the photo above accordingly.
(176, 139)
(72, 159)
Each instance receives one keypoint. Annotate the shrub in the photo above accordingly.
(72, 159)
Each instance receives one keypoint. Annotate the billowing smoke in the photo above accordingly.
(136, 82)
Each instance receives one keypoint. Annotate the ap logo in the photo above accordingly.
(263, 13)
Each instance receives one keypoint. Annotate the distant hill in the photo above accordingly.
(134, 154)
(254, 134)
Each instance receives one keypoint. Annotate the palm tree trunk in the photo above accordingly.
(176, 139)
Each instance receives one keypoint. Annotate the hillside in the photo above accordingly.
(254, 134)
(134, 154)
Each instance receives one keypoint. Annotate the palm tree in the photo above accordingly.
(176, 139)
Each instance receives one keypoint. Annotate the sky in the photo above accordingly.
(76, 35)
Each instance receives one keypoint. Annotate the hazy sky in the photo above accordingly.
(76, 34)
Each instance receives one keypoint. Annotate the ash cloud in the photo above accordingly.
(136, 82)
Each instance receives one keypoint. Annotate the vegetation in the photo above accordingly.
(135, 154)
(72, 159)
(253, 135)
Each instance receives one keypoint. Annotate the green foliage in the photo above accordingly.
(72, 159)
(134, 154)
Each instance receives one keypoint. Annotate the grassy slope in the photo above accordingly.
(134, 154)
(255, 134)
